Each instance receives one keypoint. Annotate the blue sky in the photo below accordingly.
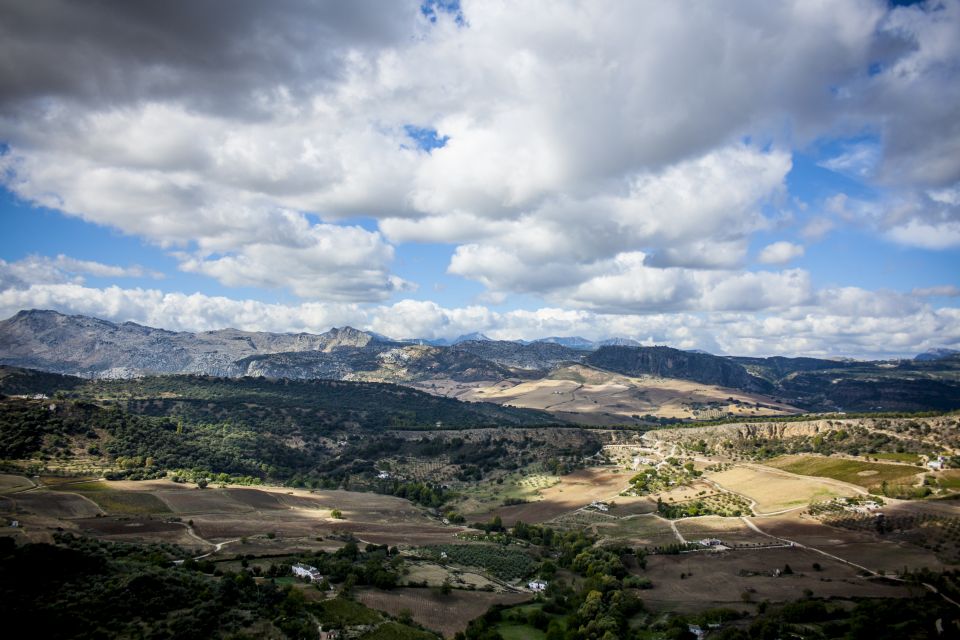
(524, 171)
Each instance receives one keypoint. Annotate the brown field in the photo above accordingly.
(445, 614)
(720, 579)
(50, 504)
(575, 490)
(295, 517)
(865, 549)
(119, 526)
(732, 531)
(632, 505)
(202, 501)
(776, 491)
(602, 397)
(257, 499)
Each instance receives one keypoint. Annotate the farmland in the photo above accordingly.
(691, 519)
(594, 396)
(774, 491)
(870, 475)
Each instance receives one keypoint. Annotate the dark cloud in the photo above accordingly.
(223, 56)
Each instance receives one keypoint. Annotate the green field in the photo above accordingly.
(93, 485)
(908, 458)
(128, 502)
(869, 475)
(520, 632)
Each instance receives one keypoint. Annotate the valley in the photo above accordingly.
(448, 491)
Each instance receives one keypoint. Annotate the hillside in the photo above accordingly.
(672, 363)
(93, 348)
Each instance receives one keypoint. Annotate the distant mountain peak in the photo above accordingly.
(573, 342)
(476, 336)
(936, 354)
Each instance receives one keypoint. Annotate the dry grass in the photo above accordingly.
(612, 398)
(575, 490)
(774, 491)
(732, 531)
(10, 483)
(49, 504)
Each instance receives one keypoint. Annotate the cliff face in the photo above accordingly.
(534, 356)
(673, 363)
(749, 431)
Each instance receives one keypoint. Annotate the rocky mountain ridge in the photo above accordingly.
(94, 348)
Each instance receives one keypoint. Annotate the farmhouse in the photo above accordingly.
(599, 506)
(383, 475)
(711, 542)
(938, 464)
(537, 585)
(306, 571)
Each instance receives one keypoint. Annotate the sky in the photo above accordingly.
(749, 178)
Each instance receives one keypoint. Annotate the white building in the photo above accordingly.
(711, 542)
(537, 585)
(383, 475)
(938, 464)
(306, 571)
(600, 506)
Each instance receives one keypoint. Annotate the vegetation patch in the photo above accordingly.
(500, 561)
(128, 502)
(341, 612)
(845, 470)
(720, 504)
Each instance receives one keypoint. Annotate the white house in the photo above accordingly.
(537, 585)
(711, 542)
(938, 464)
(600, 506)
(383, 475)
(306, 571)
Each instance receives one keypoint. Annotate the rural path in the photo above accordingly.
(217, 546)
(794, 543)
(676, 532)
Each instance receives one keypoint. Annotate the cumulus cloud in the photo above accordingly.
(780, 252)
(610, 158)
(36, 269)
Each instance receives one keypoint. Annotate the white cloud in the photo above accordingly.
(857, 160)
(36, 269)
(844, 322)
(780, 252)
(595, 152)
(947, 290)
(944, 235)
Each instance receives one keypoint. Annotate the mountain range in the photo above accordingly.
(95, 348)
